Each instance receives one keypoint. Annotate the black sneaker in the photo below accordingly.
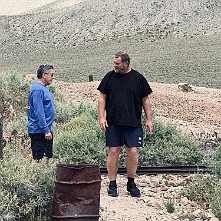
(112, 190)
(132, 189)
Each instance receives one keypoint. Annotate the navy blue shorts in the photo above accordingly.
(40, 146)
(124, 135)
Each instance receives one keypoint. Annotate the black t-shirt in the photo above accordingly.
(124, 93)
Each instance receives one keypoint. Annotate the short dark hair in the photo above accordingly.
(124, 56)
(44, 68)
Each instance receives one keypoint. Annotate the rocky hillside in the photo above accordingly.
(95, 20)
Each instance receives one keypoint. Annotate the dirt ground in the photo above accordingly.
(196, 112)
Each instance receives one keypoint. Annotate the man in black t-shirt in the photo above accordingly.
(123, 94)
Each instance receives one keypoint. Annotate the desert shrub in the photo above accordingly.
(26, 191)
(81, 141)
(65, 110)
(16, 136)
(2, 92)
(201, 188)
(167, 146)
(215, 162)
(17, 90)
(215, 200)
(170, 206)
(76, 123)
(206, 189)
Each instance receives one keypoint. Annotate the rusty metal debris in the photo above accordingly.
(77, 193)
(163, 170)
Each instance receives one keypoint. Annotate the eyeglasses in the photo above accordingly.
(52, 75)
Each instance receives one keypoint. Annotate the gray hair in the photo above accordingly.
(44, 68)
(124, 56)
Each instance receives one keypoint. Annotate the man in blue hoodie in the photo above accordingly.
(41, 114)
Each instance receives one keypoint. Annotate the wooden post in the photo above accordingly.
(90, 78)
(1, 136)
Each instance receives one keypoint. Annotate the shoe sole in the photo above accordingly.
(113, 195)
(134, 195)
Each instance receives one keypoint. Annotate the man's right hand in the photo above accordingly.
(103, 124)
(48, 136)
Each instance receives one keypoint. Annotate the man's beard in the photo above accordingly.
(119, 71)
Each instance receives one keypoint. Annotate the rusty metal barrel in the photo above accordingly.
(77, 193)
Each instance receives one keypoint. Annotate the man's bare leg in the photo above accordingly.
(112, 162)
(112, 167)
(131, 164)
(131, 161)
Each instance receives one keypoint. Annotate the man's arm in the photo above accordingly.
(101, 111)
(147, 110)
(39, 112)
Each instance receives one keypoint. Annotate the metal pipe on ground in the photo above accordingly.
(163, 170)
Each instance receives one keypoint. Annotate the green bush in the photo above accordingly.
(206, 189)
(215, 162)
(81, 141)
(26, 191)
(17, 90)
(65, 110)
(215, 200)
(201, 188)
(170, 206)
(2, 92)
(16, 135)
(167, 146)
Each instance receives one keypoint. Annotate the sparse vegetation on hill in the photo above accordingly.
(96, 20)
(170, 41)
(196, 61)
